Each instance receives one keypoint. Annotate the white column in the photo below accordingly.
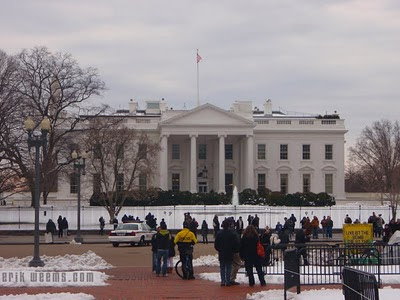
(193, 165)
(221, 163)
(164, 163)
(250, 162)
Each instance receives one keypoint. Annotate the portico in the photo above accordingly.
(206, 148)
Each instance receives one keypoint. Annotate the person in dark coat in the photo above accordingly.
(239, 226)
(51, 227)
(300, 242)
(248, 253)
(226, 243)
(115, 223)
(193, 227)
(154, 251)
(64, 226)
(256, 222)
(266, 241)
(102, 224)
(204, 232)
(59, 223)
(163, 240)
(216, 225)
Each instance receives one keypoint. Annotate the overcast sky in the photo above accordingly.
(307, 56)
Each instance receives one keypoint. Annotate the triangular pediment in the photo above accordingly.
(306, 169)
(208, 114)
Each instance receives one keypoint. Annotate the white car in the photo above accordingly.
(131, 233)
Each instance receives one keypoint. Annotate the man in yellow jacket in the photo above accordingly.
(185, 239)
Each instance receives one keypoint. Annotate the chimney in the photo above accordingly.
(268, 107)
(133, 106)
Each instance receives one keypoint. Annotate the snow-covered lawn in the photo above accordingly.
(48, 296)
(58, 271)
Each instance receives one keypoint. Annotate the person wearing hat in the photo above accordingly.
(185, 239)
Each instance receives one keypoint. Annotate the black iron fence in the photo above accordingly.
(323, 264)
(359, 285)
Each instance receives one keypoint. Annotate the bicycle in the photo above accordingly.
(184, 269)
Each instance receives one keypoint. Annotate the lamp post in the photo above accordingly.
(37, 142)
(79, 168)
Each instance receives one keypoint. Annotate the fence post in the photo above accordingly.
(292, 271)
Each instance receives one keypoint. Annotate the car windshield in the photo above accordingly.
(146, 227)
(128, 227)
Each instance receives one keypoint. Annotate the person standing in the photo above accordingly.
(115, 222)
(300, 242)
(193, 227)
(171, 255)
(329, 227)
(239, 226)
(64, 226)
(102, 224)
(154, 251)
(256, 222)
(163, 239)
(226, 243)
(266, 241)
(216, 225)
(51, 228)
(248, 253)
(315, 226)
(324, 227)
(59, 223)
(204, 232)
(348, 220)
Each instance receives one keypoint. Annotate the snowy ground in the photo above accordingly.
(59, 271)
(81, 265)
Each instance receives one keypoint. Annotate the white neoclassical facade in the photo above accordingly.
(210, 148)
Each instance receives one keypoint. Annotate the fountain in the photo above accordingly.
(235, 197)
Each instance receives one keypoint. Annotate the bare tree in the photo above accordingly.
(377, 154)
(119, 156)
(50, 85)
(9, 105)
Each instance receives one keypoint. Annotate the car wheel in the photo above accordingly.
(141, 242)
(115, 244)
(132, 244)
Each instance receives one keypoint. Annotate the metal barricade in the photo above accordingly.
(359, 285)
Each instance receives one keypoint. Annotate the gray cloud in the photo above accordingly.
(307, 56)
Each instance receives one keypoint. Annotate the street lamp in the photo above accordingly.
(37, 142)
(79, 168)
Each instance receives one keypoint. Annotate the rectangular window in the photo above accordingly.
(142, 151)
(229, 183)
(96, 184)
(120, 182)
(97, 151)
(306, 152)
(284, 183)
(228, 151)
(284, 151)
(73, 183)
(328, 152)
(175, 182)
(261, 181)
(261, 151)
(142, 182)
(176, 151)
(202, 151)
(306, 183)
(329, 183)
(203, 188)
(120, 151)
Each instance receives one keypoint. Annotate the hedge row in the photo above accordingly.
(248, 196)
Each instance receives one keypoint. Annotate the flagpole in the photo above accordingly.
(198, 91)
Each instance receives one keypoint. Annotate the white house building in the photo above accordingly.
(210, 148)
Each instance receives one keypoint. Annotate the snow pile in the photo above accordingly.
(205, 260)
(85, 261)
(326, 294)
(48, 296)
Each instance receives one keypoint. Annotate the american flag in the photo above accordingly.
(198, 58)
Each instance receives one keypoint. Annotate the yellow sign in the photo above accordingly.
(358, 233)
